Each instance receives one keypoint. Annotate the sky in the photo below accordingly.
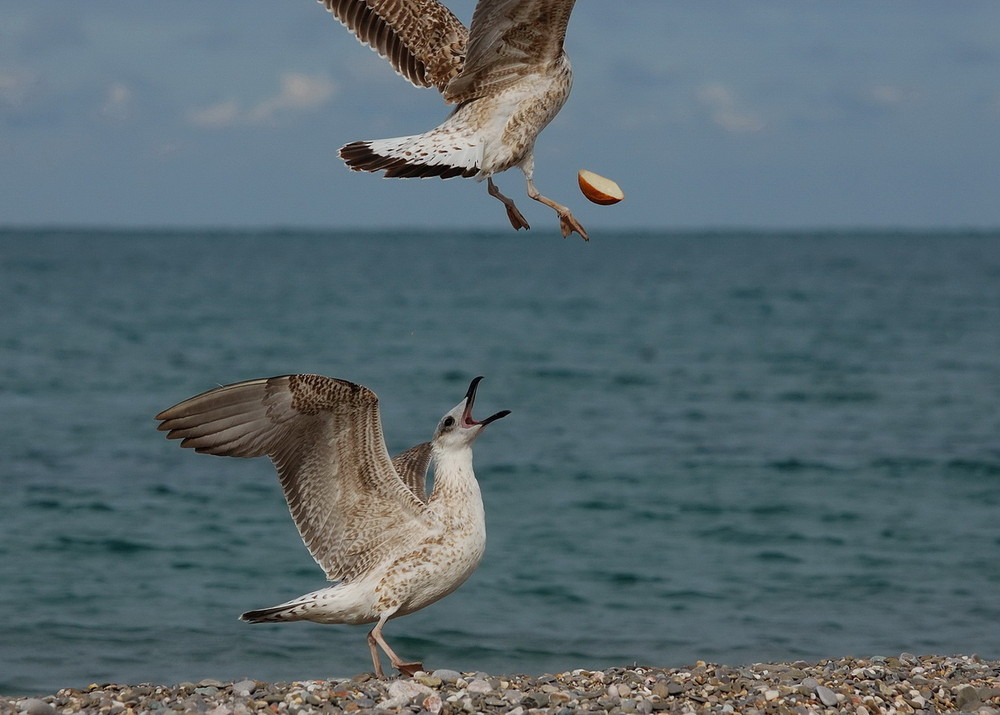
(709, 114)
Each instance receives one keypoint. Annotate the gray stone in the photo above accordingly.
(447, 676)
(479, 686)
(34, 706)
(967, 697)
(826, 696)
(535, 700)
(244, 687)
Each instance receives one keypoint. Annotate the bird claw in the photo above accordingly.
(569, 224)
(408, 669)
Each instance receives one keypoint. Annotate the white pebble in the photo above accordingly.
(433, 704)
(403, 692)
(479, 686)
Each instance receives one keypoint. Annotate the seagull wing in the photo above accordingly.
(325, 439)
(412, 468)
(508, 39)
(422, 39)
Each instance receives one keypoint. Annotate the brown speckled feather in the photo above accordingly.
(412, 468)
(509, 39)
(325, 438)
(421, 39)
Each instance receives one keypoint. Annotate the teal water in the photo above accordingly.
(729, 447)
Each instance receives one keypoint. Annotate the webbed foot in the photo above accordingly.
(408, 669)
(568, 224)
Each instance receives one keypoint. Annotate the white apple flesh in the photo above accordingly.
(599, 189)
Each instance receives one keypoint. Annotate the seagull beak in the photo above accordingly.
(470, 397)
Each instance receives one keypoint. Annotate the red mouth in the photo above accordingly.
(470, 398)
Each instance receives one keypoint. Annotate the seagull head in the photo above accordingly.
(458, 428)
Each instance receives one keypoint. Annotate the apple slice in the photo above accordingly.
(598, 189)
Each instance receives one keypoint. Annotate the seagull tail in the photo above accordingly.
(438, 152)
(265, 615)
(291, 611)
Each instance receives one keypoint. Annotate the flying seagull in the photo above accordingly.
(364, 517)
(508, 76)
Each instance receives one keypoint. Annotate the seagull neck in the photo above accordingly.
(453, 471)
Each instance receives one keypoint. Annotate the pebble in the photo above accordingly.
(447, 676)
(826, 696)
(34, 706)
(881, 684)
(244, 687)
(479, 686)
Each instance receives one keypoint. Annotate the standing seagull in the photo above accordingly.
(508, 75)
(365, 519)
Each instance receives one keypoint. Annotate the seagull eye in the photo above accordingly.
(449, 421)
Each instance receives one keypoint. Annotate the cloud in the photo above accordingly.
(17, 87)
(118, 103)
(223, 114)
(890, 95)
(725, 112)
(297, 93)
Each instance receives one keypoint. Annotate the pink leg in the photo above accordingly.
(567, 223)
(516, 219)
(375, 636)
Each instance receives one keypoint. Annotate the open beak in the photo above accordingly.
(470, 397)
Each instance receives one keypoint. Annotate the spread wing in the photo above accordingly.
(325, 439)
(422, 39)
(508, 39)
(412, 468)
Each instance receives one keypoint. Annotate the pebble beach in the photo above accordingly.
(896, 684)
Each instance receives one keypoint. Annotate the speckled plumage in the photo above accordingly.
(508, 75)
(365, 518)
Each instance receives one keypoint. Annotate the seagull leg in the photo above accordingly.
(516, 219)
(567, 222)
(375, 636)
(379, 673)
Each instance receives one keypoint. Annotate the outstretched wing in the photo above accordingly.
(422, 39)
(325, 439)
(508, 39)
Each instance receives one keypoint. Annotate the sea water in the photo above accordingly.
(733, 447)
